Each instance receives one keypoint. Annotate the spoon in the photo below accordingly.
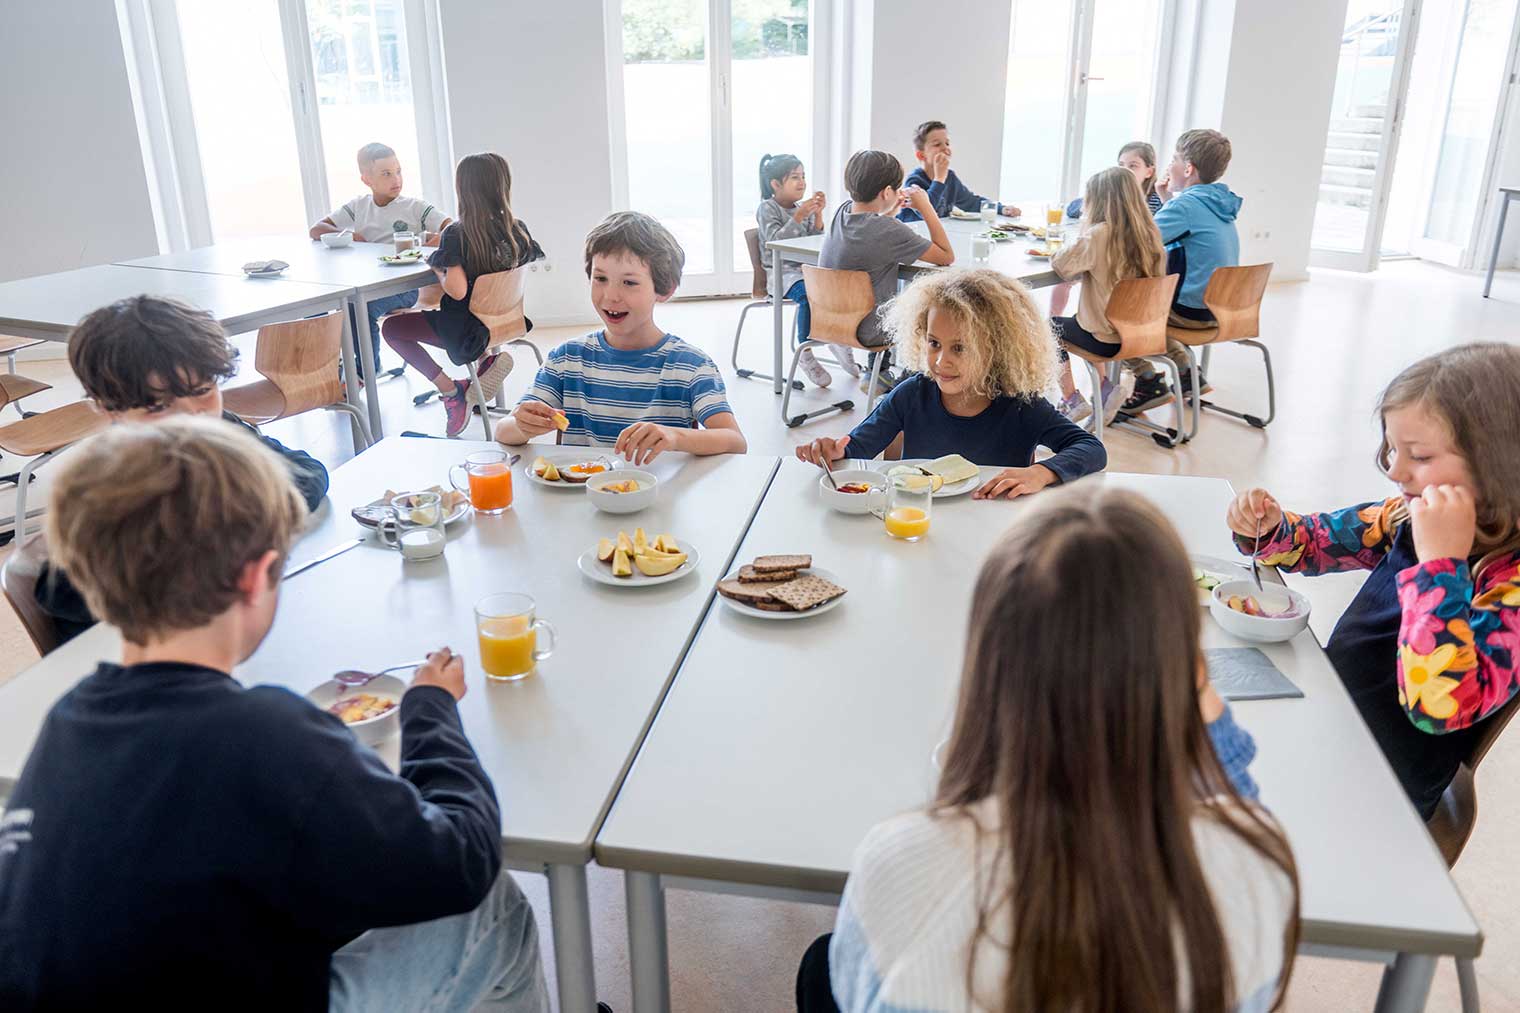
(351, 678)
(830, 473)
(1255, 550)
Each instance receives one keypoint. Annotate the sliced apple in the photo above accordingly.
(640, 541)
(652, 565)
(604, 550)
(620, 565)
(625, 543)
(540, 465)
(666, 543)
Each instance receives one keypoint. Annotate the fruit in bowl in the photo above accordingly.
(1267, 615)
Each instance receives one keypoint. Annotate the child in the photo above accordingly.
(865, 237)
(1140, 159)
(931, 146)
(1429, 648)
(1198, 226)
(783, 214)
(266, 851)
(985, 354)
(1005, 892)
(1118, 241)
(375, 216)
(630, 386)
(485, 240)
(147, 359)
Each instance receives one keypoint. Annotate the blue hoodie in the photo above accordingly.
(1201, 219)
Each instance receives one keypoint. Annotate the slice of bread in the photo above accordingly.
(749, 594)
(806, 592)
(953, 468)
(781, 564)
(749, 575)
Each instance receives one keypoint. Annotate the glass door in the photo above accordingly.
(1366, 118)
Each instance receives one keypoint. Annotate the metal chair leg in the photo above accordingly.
(755, 374)
(793, 421)
(23, 480)
(530, 346)
(360, 419)
(1467, 985)
(1165, 436)
(1255, 420)
(480, 400)
(1194, 399)
(1097, 399)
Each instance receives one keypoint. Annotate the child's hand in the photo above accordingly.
(1445, 520)
(534, 418)
(917, 198)
(359, 237)
(1015, 482)
(939, 166)
(443, 669)
(642, 442)
(1254, 512)
(823, 451)
(1010, 210)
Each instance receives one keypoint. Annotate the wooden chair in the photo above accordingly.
(298, 360)
(1452, 823)
(760, 292)
(1234, 297)
(839, 301)
(14, 387)
(10, 345)
(18, 580)
(497, 302)
(1137, 309)
(42, 437)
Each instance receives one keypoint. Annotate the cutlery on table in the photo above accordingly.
(352, 678)
(336, 550)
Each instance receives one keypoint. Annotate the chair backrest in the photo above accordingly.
(18, 579)
(1452, 823)
(14, 387)
(838, 301)
(760, 284)
(300, 357)
(497, 302)
(1234, 297)
(1137, 309)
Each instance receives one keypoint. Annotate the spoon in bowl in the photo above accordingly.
(351, 678)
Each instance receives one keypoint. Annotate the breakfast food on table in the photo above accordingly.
(361, 707)
(561, 421)
(627, 485)
(1038, 251)
(917, 478)
(571, 474)
(380, 509)
(749, 575)
(1248, 605)
(265, 266)
(652, 559)
(952, 468)
(405, 257)
(855, 488)
(1206, 581)
(779, 584)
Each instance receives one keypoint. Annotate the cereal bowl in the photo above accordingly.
(370, 731)
(1287, 611)
(337, 240)
(610, 493)
(851, 502)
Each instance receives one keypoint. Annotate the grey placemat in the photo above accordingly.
(1244, 673)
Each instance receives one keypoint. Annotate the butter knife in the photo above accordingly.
(336, 550)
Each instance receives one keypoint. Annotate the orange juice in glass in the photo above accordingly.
(508, 631)
(906, 506)
(1053, 214)
(488, 480)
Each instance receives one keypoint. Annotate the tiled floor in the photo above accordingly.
(1335, 340)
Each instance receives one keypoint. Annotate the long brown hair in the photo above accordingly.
(1134, 243)
(1147, 155)
(492, 239)
(1088, 736)
(1474, 390)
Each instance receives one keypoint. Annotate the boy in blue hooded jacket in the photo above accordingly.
(1197, 226)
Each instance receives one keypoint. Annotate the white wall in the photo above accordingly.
(1508, 175)
(75, 190)
(530, 81)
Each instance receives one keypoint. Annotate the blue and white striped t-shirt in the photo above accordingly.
(603, 391)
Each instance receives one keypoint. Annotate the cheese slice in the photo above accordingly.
(952, 468)
(917, 482)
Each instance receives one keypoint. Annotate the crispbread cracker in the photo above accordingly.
(749, 575)
(771, 606)
(749, 594)
(806, 592)
(777, 564)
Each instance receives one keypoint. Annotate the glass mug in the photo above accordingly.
(414, 525)
(508, 632)
(989, 211)
(904, 510)
(405, 240)
(981, 249)
(488, 481)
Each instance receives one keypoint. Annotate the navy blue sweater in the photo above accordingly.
(944, 196)
(176, 840)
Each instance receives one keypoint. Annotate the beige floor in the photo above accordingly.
(1335, 341)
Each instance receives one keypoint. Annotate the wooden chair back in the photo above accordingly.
(760, 282)
(1234, 297)
(1137, 309)
(497, 302)
(300, 357)
(1452, 823)
(18, 579)
(14, 387)
(839, 301)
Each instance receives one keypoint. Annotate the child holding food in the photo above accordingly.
(985, 356)
(629, 386)
(1004, 892)
(1429, 647)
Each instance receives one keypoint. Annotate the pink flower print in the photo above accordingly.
(1420, 622)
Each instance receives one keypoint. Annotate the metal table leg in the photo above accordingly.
(777, 320)
(1406, 984)
(570, 912)
(367, 365)
(648, 953)
(350, 394)
(1493, 258)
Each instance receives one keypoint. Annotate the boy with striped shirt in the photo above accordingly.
(630, 386)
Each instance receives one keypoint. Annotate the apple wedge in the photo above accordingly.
(658, 565)
(604, 549)
(621, 567)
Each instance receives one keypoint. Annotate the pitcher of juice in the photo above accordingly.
(508, 630)
(487, 479)
(905, 507)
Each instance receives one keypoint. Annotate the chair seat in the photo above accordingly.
(50, 430)
(14, 387)
(10, 343)
(1083, 353)
(1190, 336)
(256, 403)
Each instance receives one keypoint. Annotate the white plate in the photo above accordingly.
(1223, 569)
(813, 571)
(393, 261)
(563, 455)
(945, 491)
(265, 274)
(459, 513)
(602, 572)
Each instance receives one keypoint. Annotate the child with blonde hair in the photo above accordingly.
(1118, 241)
(1429, 648)
(984, 354)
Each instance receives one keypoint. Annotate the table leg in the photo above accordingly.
(648, 953)
(1493, 258)
(777, 319)
(570, 911)
(1406, 984)
(346, 357)
(367, 364)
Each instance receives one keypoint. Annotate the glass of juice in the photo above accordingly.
(905, 510)
(508, 629)
(487, 479)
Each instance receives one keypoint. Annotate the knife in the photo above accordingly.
(336, 550)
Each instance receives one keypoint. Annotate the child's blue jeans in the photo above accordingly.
(798, 294)
(379, 308)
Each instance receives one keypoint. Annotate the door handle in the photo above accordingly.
(1088, 77)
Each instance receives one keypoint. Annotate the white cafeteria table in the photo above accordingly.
(556, 744)
(355, 268)
(780, 744)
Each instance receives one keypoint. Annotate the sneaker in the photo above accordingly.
(1074, 406)
(885, 381)
(1187, 383)
(813, 369)
(492, 371)
(1114, 396)
(846, 359)
(456, 407)
(1150, 392)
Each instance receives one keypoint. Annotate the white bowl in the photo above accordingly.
(622, 502)
(372, 731)
(1261, 629)
(335, 240)
(850, 502)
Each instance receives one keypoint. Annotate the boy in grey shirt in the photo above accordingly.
(864, 235)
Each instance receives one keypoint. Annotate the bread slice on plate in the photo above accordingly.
(806, 593)
(749, 593)
(781, 564)
(952, 468)
(749, 575)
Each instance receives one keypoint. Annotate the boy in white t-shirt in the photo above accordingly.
(375, 216)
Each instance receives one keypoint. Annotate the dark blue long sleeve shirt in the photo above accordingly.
(944, 196)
